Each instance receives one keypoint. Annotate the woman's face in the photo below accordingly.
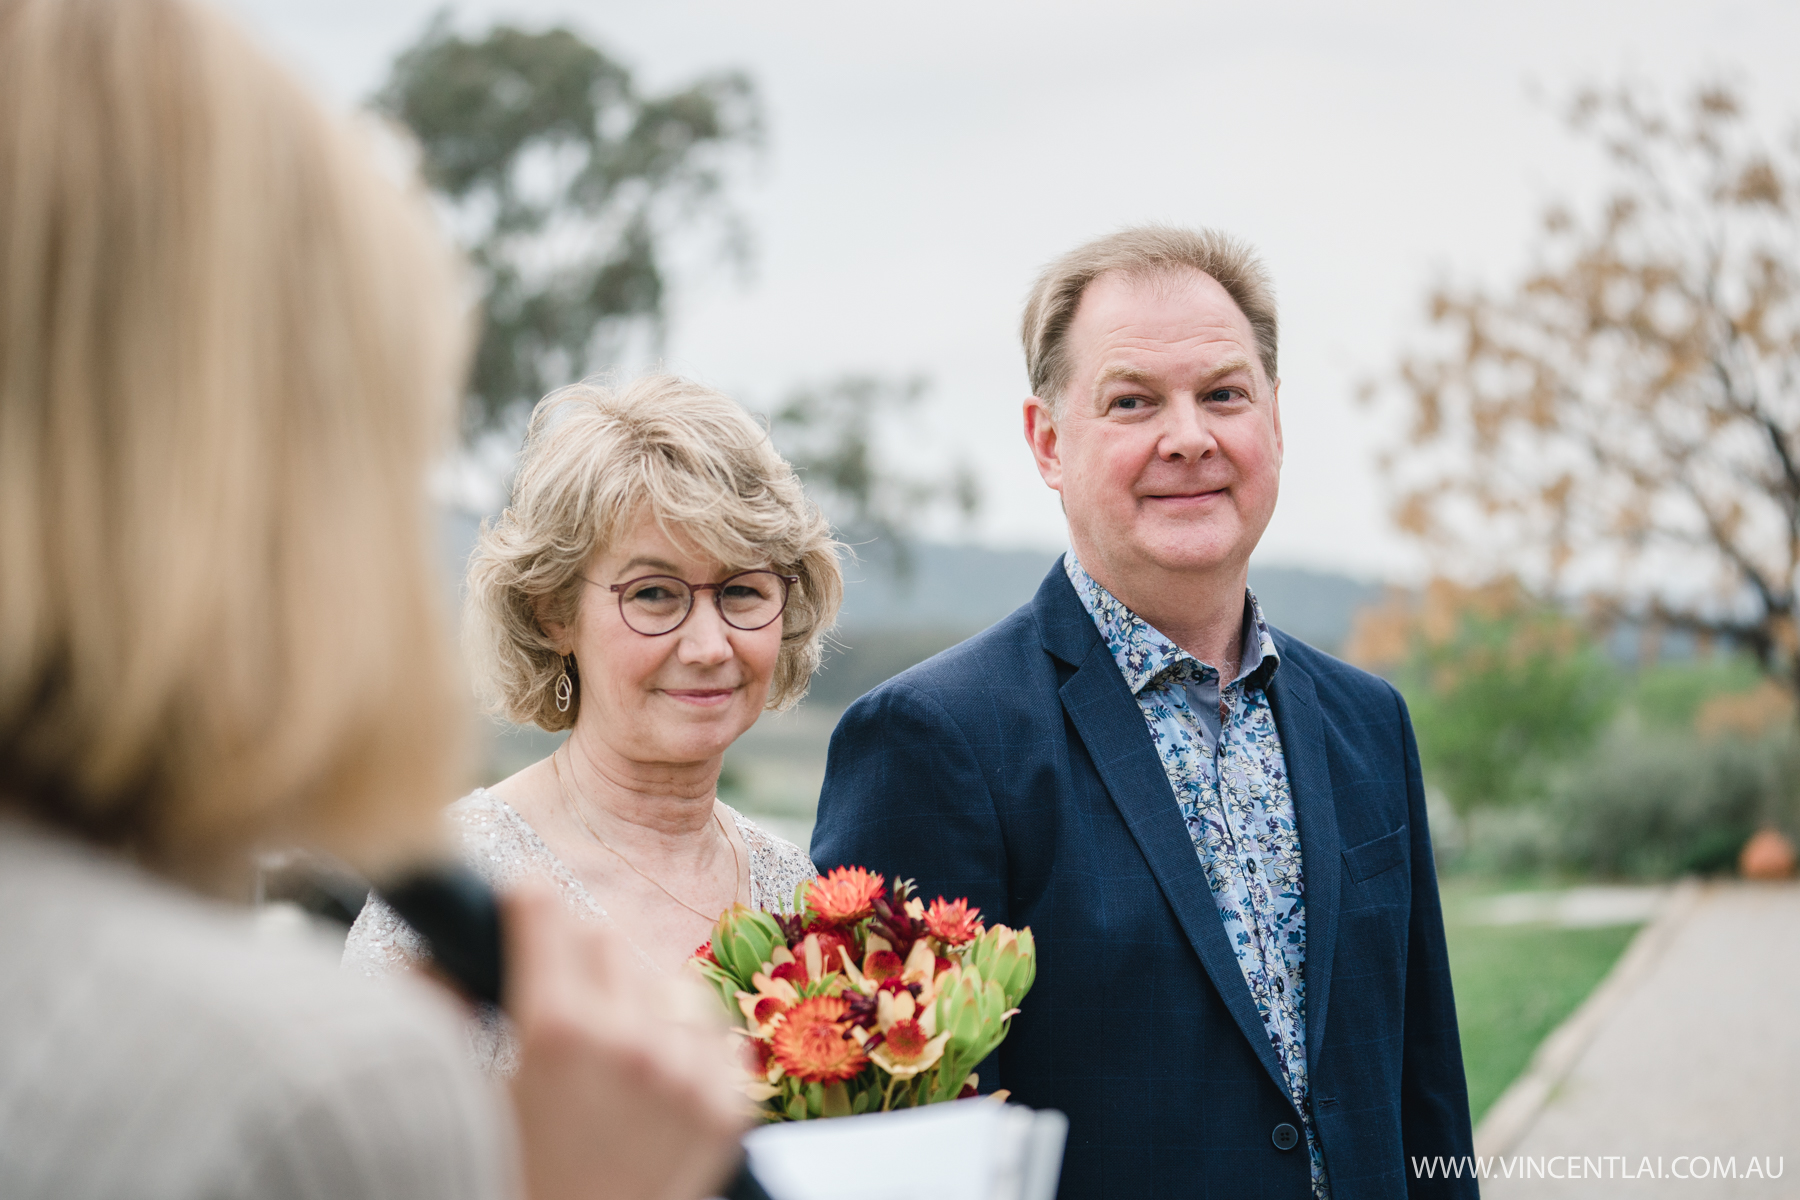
(682, 697)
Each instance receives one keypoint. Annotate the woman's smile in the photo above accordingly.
(700, 697)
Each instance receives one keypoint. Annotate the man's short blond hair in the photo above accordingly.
(229, 347)
(1146, 250)
(598, 459)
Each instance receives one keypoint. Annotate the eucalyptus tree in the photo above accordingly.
(567, 182)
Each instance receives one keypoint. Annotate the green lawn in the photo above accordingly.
(1514, 984)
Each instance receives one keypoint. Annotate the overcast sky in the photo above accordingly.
(925, 160)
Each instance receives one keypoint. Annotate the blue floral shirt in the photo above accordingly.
(1222, 753)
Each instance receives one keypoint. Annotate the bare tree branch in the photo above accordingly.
(1624, 422)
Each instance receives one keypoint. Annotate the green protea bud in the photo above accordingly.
(973, 1011)
(743, 940)
(1008, 958)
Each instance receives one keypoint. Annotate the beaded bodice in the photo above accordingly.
(503, 848)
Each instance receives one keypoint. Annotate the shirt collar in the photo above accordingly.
(1143, 652)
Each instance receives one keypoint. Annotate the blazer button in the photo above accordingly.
(1285, 1137)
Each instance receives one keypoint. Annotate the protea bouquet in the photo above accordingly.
(862, 1002)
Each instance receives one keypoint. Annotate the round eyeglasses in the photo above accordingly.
(657, 604)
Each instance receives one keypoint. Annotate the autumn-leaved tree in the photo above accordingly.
(566, 182)
(1624, 423)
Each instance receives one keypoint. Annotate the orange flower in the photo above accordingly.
(953, 923)
(811, 1045)
(845, 896)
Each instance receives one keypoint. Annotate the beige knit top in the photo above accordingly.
(152, 1046)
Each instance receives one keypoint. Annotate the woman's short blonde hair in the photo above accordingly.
(598, 459)
(229, 346)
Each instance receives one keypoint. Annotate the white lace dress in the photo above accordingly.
(503, 848)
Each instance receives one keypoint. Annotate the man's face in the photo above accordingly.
(1168, 449)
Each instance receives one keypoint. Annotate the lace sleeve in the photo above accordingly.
(500, 847)
(776, 866)
(380, 943)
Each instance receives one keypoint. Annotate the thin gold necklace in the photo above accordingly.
(736, 864)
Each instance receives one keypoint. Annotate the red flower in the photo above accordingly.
(953, 923)
(845, 896)
(706, 952)
(812, 1045)
(829, 942)
(882, 965)
(906, 1041)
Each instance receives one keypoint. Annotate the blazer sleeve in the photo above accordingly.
(905, 794)
(1434, 1098)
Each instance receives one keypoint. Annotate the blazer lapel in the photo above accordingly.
(1297, 719)
(1111, 725)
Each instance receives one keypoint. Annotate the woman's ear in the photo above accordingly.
(555, 630)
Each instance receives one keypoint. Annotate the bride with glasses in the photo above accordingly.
(659, 581)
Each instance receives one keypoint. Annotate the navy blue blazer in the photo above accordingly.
(1016, 769)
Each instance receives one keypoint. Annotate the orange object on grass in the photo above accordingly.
(1767, 855)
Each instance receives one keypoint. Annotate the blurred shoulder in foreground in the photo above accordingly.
(168, 1052)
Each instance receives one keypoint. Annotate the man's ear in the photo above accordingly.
(1042, 436)
(1275, 413)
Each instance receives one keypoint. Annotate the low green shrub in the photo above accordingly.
(1643, 804)
(1504, 702)
(1646, 804)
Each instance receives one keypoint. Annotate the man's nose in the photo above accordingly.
(1187, 431)
(705, 638)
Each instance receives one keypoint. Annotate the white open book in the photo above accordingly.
(965, 1150)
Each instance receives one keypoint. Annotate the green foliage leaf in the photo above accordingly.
(743, 940)
(1010, 962)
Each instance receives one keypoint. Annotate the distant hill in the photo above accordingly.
(961, 588)
(1315, 606)
(968, 588)
(889, 623)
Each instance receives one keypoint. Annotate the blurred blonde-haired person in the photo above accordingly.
(229, 347)
(658, 582)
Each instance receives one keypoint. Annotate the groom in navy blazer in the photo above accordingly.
(1216, 832)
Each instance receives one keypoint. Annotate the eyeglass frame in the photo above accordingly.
(694, 590)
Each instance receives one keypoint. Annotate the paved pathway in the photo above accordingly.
(1694, 1050)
